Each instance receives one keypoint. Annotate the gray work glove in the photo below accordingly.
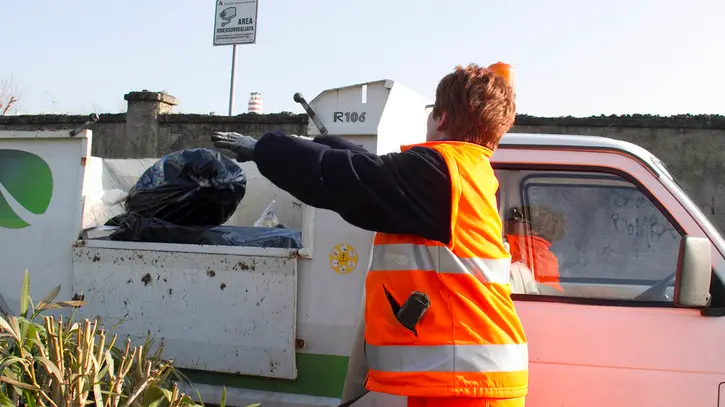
(242, 146)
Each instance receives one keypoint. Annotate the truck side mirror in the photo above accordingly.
(694, 271)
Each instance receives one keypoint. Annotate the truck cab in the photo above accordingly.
(632, 318)
(619, 331)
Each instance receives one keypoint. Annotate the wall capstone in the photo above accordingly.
(142, 121)
(162, 102)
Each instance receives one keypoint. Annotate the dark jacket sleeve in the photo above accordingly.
(338, 142)
(401, 193)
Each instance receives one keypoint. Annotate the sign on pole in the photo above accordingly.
(235, 22)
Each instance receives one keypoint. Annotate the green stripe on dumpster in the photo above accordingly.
(317, 375)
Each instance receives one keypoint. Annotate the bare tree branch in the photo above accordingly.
(8, 96)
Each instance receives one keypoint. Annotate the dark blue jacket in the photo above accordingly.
(402, 193)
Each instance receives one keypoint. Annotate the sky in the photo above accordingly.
(571, 57)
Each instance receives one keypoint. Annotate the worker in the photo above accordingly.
(440, 328)
(530, 232)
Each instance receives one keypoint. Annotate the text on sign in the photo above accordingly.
(349, 117)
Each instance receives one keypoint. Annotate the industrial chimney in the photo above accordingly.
(255, 103)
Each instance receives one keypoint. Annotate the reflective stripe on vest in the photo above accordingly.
(448, 358)
(408, 257)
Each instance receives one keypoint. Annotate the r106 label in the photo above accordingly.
(349, 117)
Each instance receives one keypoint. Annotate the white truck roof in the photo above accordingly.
(529, 140)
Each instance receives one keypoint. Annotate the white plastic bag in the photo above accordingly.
(101, 206)
(114, 197)
(268, 219)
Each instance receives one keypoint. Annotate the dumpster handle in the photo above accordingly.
(313, 116)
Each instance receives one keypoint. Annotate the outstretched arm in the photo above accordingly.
(339, 142)
(402, 193)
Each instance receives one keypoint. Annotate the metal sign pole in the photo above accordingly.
(235, 22)
(233, 80)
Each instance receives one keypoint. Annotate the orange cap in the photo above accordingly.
(503, 70)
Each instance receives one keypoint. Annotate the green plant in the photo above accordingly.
(61, 363)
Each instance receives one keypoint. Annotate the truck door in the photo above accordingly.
(595, 239)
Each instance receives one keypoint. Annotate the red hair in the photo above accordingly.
(479, 105)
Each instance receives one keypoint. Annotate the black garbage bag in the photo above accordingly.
(135, 228)
(251, 236)
(194, 187)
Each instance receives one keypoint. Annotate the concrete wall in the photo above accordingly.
(151, 129)
(691, 146)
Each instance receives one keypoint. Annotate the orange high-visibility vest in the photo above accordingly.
(534, 251)
(470, 342)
